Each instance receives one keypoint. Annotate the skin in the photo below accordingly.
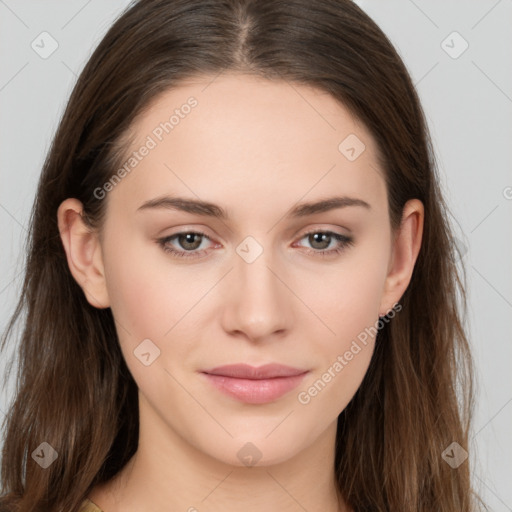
(256, 148)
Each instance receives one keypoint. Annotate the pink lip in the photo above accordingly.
(255, 385)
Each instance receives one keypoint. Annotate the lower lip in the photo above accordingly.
(251, 391)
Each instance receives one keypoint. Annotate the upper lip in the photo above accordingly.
(245, 371)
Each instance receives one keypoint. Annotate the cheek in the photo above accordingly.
(351, 312)
(138, 290)
(149, 294)
(146, 305)
(352, 294)
(350, 309)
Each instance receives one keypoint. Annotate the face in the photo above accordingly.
(269, 281)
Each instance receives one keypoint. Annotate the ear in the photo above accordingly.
(404, 254)
(83, 251)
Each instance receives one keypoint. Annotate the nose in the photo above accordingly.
(258, 302)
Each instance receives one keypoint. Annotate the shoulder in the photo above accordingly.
(89, 506)
(8, 505)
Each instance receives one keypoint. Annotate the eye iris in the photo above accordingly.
(313, 239)
(186, 243)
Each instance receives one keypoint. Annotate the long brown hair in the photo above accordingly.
(74, 390)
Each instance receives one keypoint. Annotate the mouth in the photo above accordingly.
(253, 385)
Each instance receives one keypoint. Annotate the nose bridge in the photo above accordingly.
(259, 303)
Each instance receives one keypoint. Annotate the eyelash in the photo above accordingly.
(344, 241)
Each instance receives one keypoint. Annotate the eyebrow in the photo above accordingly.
(212, 210)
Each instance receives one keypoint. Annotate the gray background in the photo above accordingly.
(468, 102)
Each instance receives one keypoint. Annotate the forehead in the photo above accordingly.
(241, 136)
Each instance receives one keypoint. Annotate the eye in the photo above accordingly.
(322, 239)
(190, 241)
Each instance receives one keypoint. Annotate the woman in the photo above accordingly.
(240, 287)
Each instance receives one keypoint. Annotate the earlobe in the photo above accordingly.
(405, 252)
(83, 252)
